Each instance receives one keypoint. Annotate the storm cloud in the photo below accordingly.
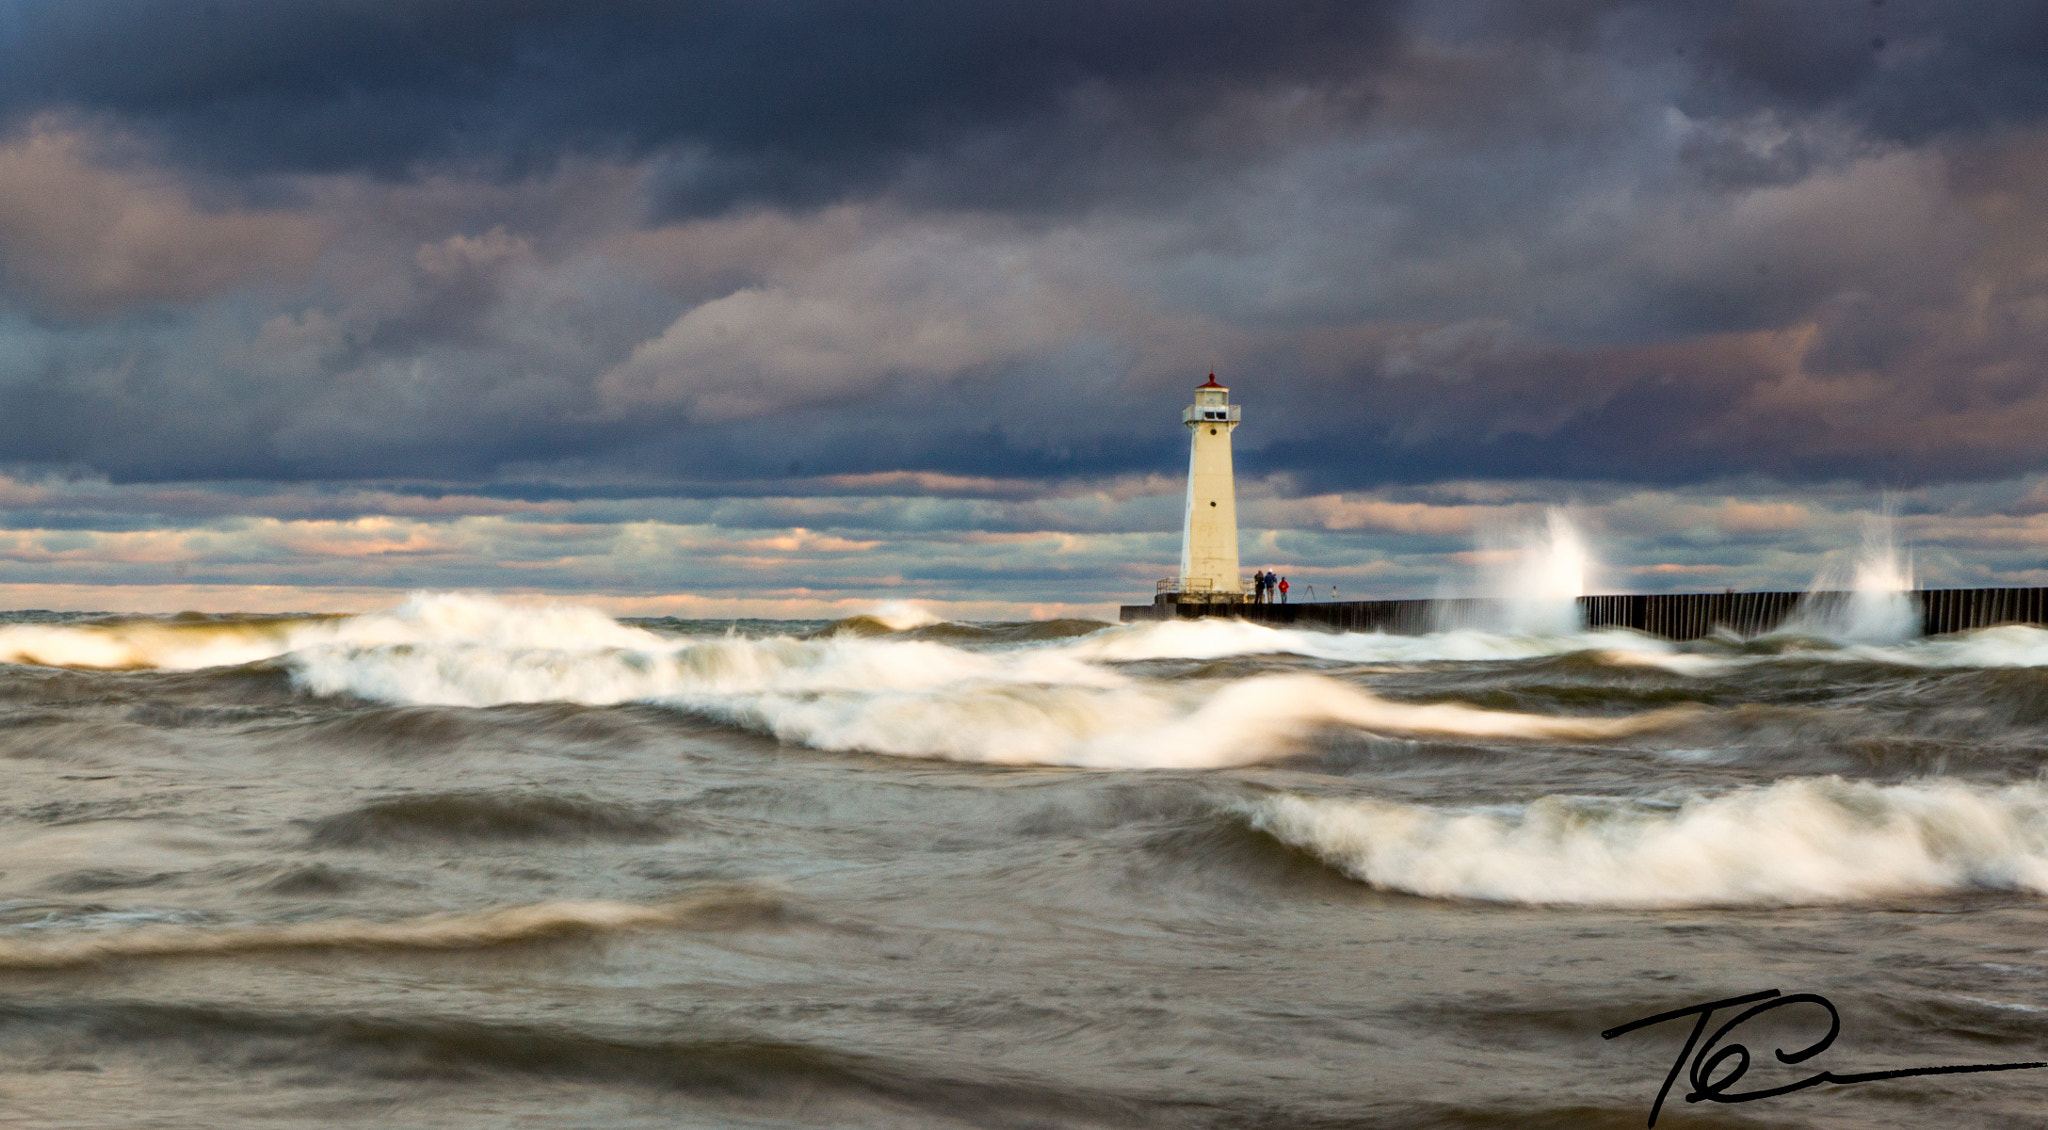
(677, 253)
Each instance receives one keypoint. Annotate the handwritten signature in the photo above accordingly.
(1718, 1052)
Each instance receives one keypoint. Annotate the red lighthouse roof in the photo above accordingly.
(1212, 382)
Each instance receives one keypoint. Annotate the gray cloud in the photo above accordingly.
(79, 239)
(788, 102)
(647, 247)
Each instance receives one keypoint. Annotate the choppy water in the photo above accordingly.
(460, 864)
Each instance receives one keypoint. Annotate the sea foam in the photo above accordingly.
(1073, 701)
(137, 645)
(1044, 704)
(1800, 840)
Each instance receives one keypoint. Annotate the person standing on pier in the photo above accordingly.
(1283, 590)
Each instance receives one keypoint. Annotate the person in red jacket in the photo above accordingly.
(1283, 590)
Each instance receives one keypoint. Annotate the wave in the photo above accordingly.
(175, 644)
(1225, 639)
(1059, 701)
(1798, 841)
(1045, 703)
(191, 643)
(741, 1074)
(430, 619)
(2006, 646)
(486, 816)
(2012, 645)
(1182, 726)
(153, 644)
(1012, 632)
(884, 618)
(472, 930)
(903, 615)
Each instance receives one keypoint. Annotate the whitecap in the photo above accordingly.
(1040, 704)
(1800, 840)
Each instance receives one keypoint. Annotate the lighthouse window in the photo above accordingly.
(1212, 431)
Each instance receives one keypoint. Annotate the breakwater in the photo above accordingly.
(1678, 616)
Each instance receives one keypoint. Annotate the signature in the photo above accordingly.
(1718, 1052)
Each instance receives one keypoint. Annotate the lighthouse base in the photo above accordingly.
(1198, 596)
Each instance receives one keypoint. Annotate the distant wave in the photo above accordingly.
(140, 645)
(1800, 840)
(458, 619)
(1223, 639)
(903, 615)
(472, 930)
(1058, 701)
(1066, 696)
(1048, 703)
(2014, 645)
(453, 618)
(485, 816)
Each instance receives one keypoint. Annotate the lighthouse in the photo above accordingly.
(1208, 540)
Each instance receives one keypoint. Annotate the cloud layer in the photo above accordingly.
(685, 257)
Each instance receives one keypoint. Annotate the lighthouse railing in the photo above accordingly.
(1212, 414)
(1202, 586)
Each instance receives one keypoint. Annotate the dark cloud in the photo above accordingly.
(1904, 69)
(686, 242)
(794, 100)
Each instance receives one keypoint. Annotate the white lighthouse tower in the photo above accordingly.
(1208, 542)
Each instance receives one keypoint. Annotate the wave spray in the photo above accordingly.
(1532, 586)
(1869, 598)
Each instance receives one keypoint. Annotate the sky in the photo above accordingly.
(783, 308)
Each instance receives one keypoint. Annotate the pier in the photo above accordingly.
(1677, 616)
(1209, 583)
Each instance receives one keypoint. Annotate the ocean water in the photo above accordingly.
(468, 865)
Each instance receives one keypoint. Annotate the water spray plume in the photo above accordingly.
(1546, 576)
(1879, 607)
(1870, 599)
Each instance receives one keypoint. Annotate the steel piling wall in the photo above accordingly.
(1678, 616)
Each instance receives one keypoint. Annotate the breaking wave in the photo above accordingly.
(474, 930)
(152, 644)
(1225, 639)
(1064, 697)
(534, 637)
(1050, 703)
(2012, 645)
(1798, 841)
(1057, 701)
(2006, 646)
(903, 615)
